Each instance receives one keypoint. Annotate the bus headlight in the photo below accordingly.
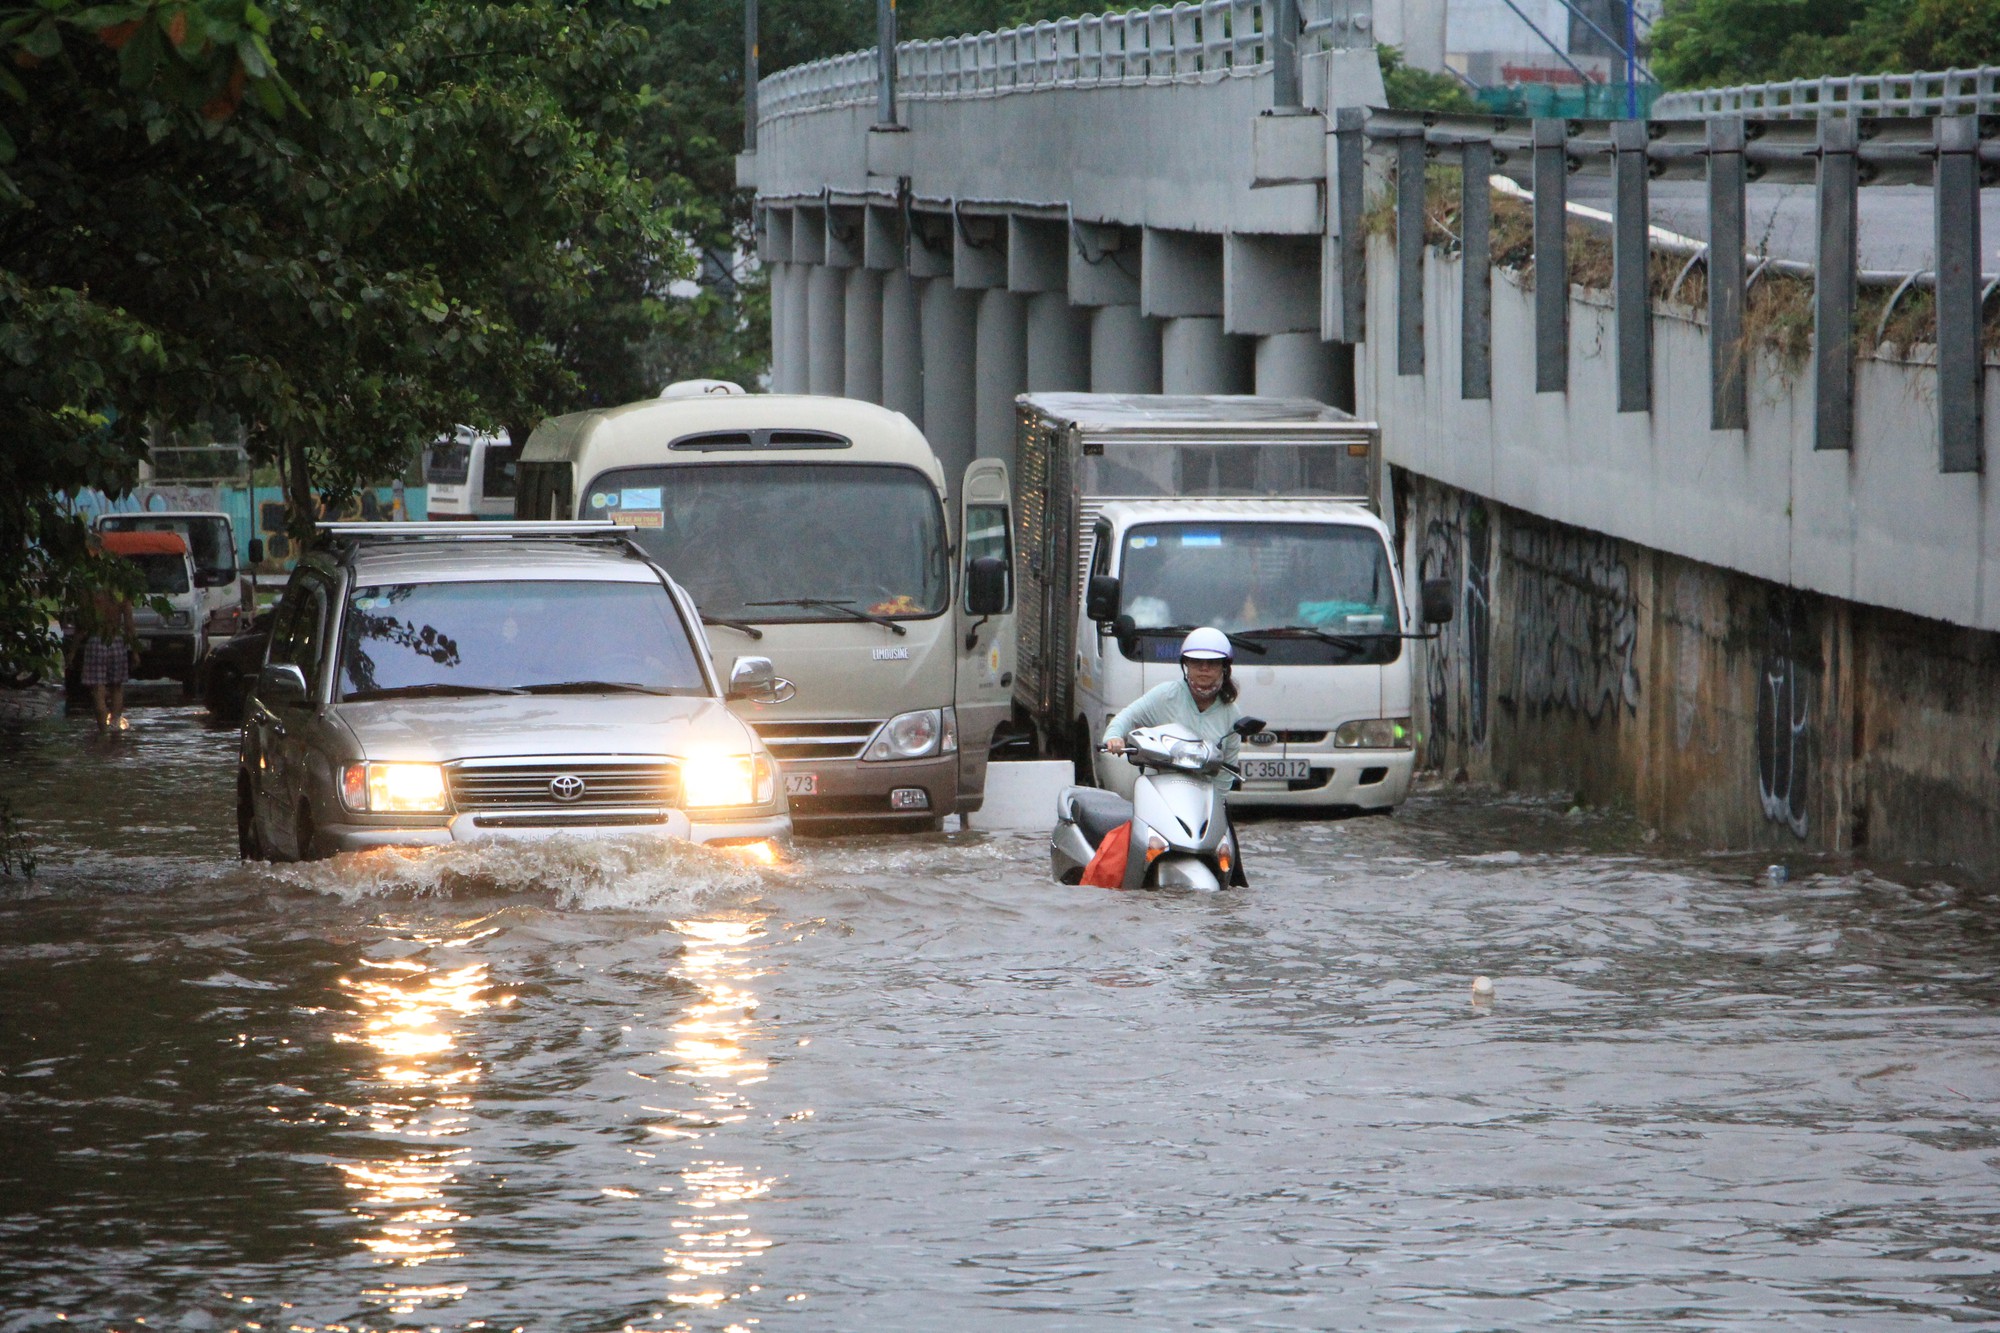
(394, 788)
(716, 781)
(915, 735)
(1375, 733)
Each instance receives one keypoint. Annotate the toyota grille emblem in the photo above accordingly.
(568, 787)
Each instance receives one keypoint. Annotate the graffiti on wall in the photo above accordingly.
(1576, 623)
(1784, 719)
(1458, 549)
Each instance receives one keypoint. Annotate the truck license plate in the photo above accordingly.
(801, 784)
(1287, 770)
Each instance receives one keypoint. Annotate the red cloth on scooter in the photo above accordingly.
(1107, 864)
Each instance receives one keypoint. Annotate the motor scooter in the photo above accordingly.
(1181, 834)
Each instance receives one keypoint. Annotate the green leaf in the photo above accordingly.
(253, 60)
(42, 41)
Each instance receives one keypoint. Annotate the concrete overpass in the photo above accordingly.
(1716, 499)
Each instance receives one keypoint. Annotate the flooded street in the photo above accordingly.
(910, 1083)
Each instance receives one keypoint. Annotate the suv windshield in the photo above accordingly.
(1320, 592)
(788, 541)
(447, 638)
(208, 539)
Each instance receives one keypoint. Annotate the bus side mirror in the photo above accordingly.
(1100, 602)
(986, 586)
(1437, 601)
(256, 550)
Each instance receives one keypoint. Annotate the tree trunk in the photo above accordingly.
(301, 506)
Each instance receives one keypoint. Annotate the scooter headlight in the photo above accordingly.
(1189, 754)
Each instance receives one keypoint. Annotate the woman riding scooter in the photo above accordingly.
(1203, 701)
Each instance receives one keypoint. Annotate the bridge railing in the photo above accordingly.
(1193, 41)
(1951, 92)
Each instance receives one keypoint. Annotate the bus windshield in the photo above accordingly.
(787, 541)
(1304, 592)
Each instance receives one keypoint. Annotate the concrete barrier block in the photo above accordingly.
(1021, 796)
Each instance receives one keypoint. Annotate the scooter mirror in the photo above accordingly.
(1246, 727)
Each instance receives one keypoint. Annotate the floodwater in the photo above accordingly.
(910, 1084)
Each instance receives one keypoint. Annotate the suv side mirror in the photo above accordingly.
(281, 683)
(986, 586)
(755, 679)
(1437, 601)
(1100, 602)
(256, 550)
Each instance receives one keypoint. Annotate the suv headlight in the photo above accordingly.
(915, 735)
(715, 781)
(1375, 733)
(394, 788)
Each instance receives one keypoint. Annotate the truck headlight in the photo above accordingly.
(179, 619)
(714, 781)
(1375, 733)
(394, 788)
(915, 735)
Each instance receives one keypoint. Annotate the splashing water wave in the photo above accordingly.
(585, 874)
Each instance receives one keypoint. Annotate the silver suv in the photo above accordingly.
(431, 683)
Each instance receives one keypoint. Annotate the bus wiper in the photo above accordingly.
(591, 687)
(740, 626)
(1247, 645)
(434, 690)
(832, 604)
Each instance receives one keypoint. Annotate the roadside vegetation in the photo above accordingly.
(1706, 43)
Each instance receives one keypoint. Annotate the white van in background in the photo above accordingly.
(468, 474)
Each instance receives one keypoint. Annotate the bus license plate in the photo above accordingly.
(1282, 770)
(801, 784)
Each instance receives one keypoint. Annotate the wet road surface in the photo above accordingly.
(908, 1083)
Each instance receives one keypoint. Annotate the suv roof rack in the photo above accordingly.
(478, 530)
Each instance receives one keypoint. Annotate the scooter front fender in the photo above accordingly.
(1176, 870)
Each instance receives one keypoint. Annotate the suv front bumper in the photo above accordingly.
(532, 825)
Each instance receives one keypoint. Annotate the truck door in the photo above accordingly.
(985, 645)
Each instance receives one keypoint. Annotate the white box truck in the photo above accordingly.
(1142, 516)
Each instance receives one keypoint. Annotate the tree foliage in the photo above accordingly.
(1703, 43)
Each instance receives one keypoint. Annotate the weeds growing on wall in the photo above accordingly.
(1777, 311)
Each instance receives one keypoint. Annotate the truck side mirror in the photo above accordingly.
(1126, 631)
(986, 586)
(256, 550)
(1100, 603)
(1437, 601)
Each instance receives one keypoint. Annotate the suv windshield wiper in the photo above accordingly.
(740, 626)
(592, 687)
(1237, 639)
(434, 690)
(840, 605)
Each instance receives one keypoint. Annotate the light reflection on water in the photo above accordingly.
(909, 1084)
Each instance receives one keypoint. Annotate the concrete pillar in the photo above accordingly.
(1196, 356)
(1000, 372)
(950, 342)
(778, 281)
(1296, 365)
(861, 338)
(1058, 345)
(1124, 351)
(902, 350)
(826, 360)
(795, 337)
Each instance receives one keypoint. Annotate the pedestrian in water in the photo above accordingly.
(110, 643)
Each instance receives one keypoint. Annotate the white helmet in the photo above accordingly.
(1208, 644)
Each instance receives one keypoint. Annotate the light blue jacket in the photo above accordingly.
(1172, 704)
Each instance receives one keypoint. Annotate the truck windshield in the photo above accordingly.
(788, 541)
(166, 575)
(515, 635)
(209, 539)
(1305, 592)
